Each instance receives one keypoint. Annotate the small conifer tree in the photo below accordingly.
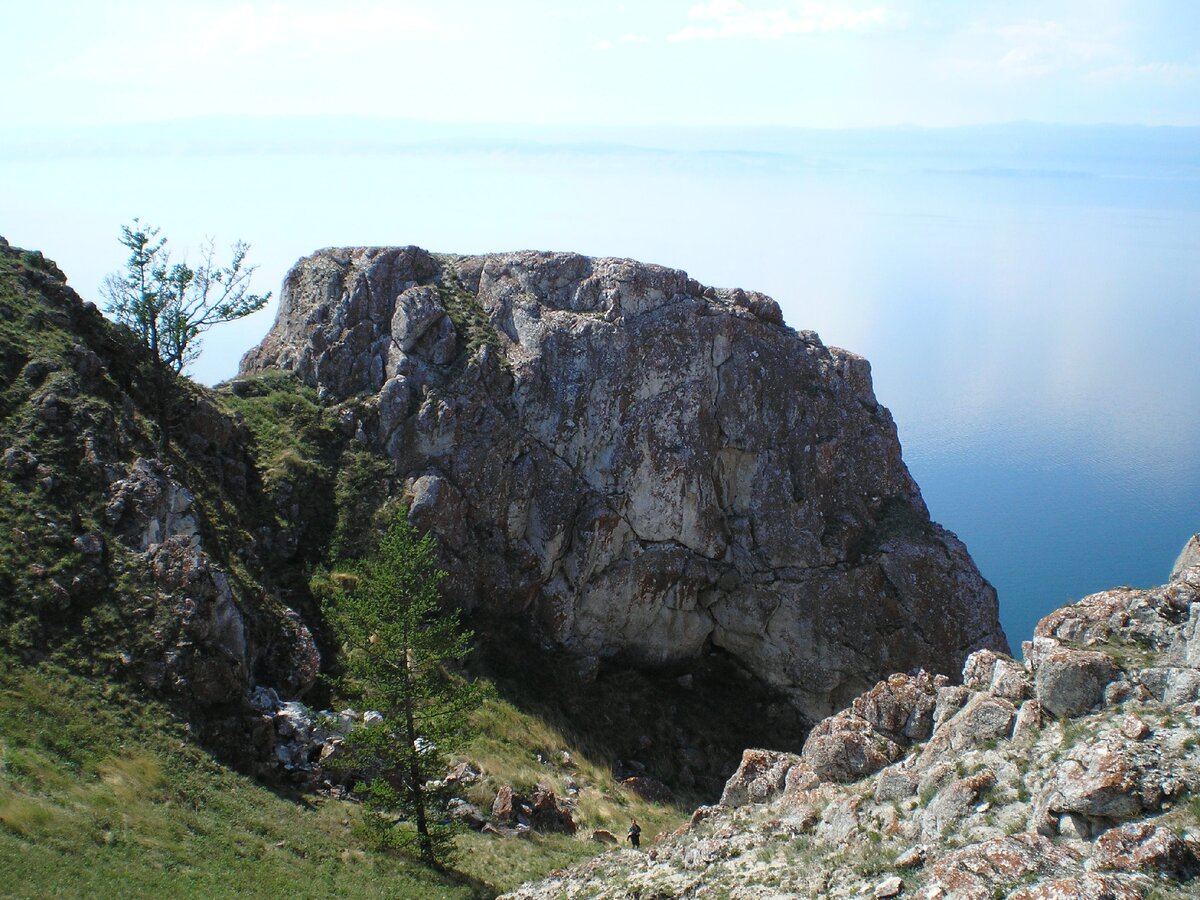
(401, 655)
(168, 306)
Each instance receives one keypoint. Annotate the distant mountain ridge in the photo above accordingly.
(1017, 147)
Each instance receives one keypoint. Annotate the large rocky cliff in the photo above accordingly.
(645, 466)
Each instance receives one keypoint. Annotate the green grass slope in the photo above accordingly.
(103, 792)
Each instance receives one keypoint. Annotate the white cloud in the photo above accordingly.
(732, 18)
(1032, 49)
(246, 34)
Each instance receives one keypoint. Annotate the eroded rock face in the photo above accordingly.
(764, 774)
(207, 651)
(1188, 561)
(645, 465)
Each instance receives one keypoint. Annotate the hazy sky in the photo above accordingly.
(721, 62)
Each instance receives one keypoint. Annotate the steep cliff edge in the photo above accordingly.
(1072, 776)
(645, 466)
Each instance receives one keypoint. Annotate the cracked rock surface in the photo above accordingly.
(643, 465)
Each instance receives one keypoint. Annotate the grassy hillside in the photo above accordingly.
(103, 793)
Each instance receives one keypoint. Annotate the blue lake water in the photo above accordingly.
(1029, 299)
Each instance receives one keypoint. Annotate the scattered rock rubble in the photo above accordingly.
(298, 739)
(303, 745)
(1073, 775)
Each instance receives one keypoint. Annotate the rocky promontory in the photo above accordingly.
(643, 466)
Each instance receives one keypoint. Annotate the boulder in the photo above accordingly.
(841, 821)
(1088, 887)
(1029, 723)
(648, 788)
(950, 699)
(463, 773)
(1134, 729)
(1171, 684)
(901, 706)
(912, 858)
(1068, 682)
(845, 748)
(468, 814)
(889, 887)
(952, 804)
(1146, 847)
(760, 777)
(503, 806)
(996, 673)
(540, 811)
(546, 815)
(19, 462)
(1101, 780)
(983, 719)
(983, 871)
(895, 783)
(876, 729)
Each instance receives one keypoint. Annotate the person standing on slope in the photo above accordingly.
(635, 834)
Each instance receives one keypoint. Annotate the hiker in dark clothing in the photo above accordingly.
(635, 834)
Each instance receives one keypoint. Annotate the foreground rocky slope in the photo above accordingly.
(645, 466)
(1073, 775)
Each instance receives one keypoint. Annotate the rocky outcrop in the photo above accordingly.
(540, 811)
(990, 795)
(643, 465)
(1189, 557)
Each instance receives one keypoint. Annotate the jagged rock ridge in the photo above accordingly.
(644, 465)
(1073, 776)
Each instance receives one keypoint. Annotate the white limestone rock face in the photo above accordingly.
(643, 465)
